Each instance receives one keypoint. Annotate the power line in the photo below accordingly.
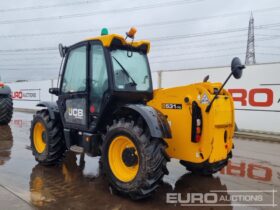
(30, 69)
(195, 58)
(269, 54)
(271, 35)
(184, 45)
(219, 32)
(205, 40)
(202, 40)
(153, 62)
(96, 30)
(212, 44)
(31, 53)
(38, 7)
(28, 65)
(48, 49)
(162, 38)
(160, 56)
(51, 6)
(274, 29)
(153, 57)
(189, 36)
(184, 20)
(51, 49)
(192, 53)
(205, 52)
(30, 49)
(270, 47)
(119, 10)
(169, 37)
(27, 58)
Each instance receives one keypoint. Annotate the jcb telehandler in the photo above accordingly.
(107, 107)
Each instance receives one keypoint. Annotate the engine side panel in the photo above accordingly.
(176, 104)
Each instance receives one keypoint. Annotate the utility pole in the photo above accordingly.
(250, 52)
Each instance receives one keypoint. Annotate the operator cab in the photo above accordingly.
(100, 74)
(131, 74)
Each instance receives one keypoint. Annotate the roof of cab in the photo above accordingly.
(107, 40)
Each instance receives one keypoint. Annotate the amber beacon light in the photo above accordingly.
(131, 33)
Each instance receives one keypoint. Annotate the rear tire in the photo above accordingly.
(137, 178)
(6, 109)
(47, 141)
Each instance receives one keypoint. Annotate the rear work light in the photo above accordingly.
(196, 123)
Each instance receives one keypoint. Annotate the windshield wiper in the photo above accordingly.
(126, 72)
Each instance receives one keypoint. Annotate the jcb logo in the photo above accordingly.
(249, 97)
(77, 113)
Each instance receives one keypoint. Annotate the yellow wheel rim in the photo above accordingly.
(39, 135)
(119, 167)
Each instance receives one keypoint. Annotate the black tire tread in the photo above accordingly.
(155, 159)
(55, 145)
(6, 109)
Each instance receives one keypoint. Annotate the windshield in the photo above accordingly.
(130, 73)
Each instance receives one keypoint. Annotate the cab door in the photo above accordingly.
(73, 96)
(99, 82)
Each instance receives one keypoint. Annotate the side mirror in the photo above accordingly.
(62, 50)
(237, 68)
(54, 91)
(236, 71)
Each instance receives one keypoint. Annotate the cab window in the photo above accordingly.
(99, 78)
(75, 72)
(131, 72)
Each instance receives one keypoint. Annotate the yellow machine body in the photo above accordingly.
(214, 144)
(217, 127)
(108, 39)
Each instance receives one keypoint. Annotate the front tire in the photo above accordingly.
(47, 142)
(133, 161)
(6, 109)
